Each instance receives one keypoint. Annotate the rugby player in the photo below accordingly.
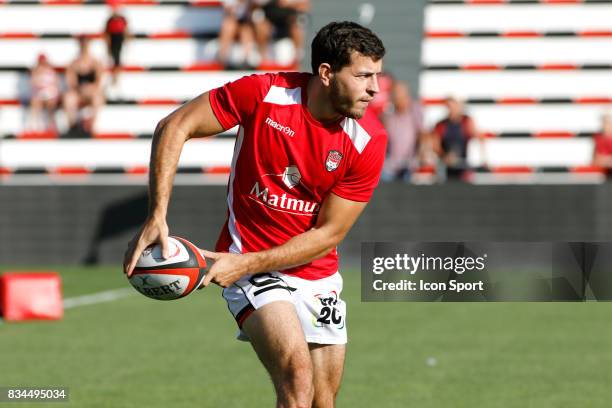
(306, 161)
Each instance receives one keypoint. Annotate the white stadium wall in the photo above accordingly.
(493, 17)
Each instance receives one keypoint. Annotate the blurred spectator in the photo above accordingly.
(45, 95)
(602, 155)
(426, 154)
(115, 34)
(404, 126)
(280, 19)
(237, 24)
(84, 78)
(452, 135)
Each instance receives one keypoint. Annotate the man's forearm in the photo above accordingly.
(165, 152)
(301, 249)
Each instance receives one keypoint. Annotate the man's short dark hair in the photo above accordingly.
(335, 42)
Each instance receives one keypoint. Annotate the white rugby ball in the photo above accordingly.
(172, 278)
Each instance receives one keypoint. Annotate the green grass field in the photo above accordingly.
(137, 352)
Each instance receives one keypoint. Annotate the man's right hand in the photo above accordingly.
(154, 230)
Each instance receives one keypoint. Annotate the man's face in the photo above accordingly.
(354, 86)
(84, 45)
(455, 108)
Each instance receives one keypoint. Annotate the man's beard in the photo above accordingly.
(342, 103)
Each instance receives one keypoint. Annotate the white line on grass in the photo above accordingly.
(99, 297)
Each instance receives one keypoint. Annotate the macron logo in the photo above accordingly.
(284, 129)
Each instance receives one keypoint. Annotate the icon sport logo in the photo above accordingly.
(333, 160)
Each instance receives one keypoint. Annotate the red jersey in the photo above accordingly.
(603, 144)
(116, 24)
(286, 163)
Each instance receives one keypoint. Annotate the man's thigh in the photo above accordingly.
(276, 334)
(328, 367)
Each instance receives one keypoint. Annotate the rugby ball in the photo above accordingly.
(172, 278)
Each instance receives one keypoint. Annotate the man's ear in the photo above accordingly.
(325, 74)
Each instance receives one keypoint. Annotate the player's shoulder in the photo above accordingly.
(284, 88)
(366, 133)
(278, 79)
(291, 79)
(273, 87)
(372, 125)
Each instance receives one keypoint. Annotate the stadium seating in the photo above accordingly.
(538, 72)
(87, 17)
(535, 76)
(170, 59)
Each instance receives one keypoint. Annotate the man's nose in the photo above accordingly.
(373, 85)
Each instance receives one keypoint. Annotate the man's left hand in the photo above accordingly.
(227, 269)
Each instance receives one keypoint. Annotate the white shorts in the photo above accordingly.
(317, 302)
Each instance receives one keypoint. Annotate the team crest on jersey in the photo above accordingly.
(333, 160)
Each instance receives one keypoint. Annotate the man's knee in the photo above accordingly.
(324, 397)
(299, 369)
(294, 382)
